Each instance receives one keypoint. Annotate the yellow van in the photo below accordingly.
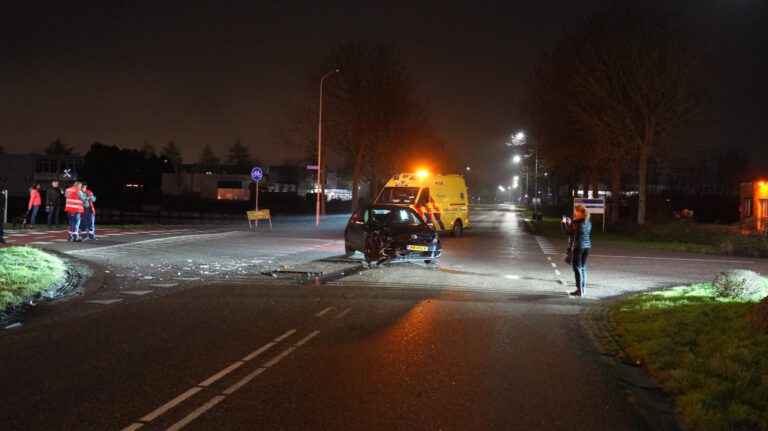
(439, 199)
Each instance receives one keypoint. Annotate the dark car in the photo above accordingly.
(391, 232)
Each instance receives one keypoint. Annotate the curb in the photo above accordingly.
(655, 406)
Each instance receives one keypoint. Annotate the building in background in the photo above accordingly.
(19, 171)
(753, 205)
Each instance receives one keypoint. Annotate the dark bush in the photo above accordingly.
(758, 315)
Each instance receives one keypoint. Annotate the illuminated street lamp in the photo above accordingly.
(519, 139)
(320, 185)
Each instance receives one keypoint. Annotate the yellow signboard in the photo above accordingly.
(257, 215)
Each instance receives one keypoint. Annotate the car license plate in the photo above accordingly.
(418, 248)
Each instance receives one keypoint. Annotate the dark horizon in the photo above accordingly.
(202, 73)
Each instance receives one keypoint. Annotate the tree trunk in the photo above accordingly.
(642, 177)
(615, 192)
(356, 169)
(595, 184)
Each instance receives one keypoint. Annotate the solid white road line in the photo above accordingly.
(195, 414)
(171, 404)
(320, 314)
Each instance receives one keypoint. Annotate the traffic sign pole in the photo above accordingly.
(257, 174)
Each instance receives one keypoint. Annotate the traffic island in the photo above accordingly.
(27, 275)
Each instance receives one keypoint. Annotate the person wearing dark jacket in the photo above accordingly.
(578, 231)
(54, 198)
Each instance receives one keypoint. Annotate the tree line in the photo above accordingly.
(611, 94)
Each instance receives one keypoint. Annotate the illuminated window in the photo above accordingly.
(233, 194)
(763, 208)
(747, 207)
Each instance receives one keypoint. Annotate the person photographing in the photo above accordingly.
(578, 231)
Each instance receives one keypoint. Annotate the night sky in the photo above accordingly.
(209, 72)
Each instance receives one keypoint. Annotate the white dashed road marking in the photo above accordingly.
(320, 314)
(137, 292)
(104, 301)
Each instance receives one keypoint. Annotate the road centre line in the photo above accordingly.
(170, 404)
(239, 384)
(221, 374)
(320, 314)
(279, 357)
(195, 414)
(672, 258)
(192, 391)
(305, 339)
(244, 381)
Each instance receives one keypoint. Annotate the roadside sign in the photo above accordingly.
(594, 206)
(256, 174)
(312, 167)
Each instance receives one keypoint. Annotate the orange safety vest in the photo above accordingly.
(74, 203)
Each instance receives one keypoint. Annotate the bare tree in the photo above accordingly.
(615, 86)
(58, 148)
(373, 118)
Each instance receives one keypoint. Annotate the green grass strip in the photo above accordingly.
(704, 353)
(26, 271)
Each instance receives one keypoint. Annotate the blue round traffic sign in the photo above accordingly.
(256, 174)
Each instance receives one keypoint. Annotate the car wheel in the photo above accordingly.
(371, 250)
(348, 250)
(458, 229)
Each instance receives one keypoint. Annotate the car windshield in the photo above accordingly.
(396, 216)
(398, 195)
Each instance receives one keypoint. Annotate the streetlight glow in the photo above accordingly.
(516, 158)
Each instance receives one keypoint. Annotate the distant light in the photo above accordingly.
(502, 188)
(468, 168)
(520, 136)
(516, 158)
(515, 178)
(762, 183)
(422, 173)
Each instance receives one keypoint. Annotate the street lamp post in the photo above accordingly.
(519, 139)
(320, 185)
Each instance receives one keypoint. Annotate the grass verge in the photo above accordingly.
(678, 235)
(704, 353)
(26, 271)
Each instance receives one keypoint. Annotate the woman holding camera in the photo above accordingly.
(578, 230)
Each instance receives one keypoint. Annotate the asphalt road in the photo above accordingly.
(223, 328)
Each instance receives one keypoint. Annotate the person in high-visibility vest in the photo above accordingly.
(74, 208)
(88, 222)
(34, 204)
